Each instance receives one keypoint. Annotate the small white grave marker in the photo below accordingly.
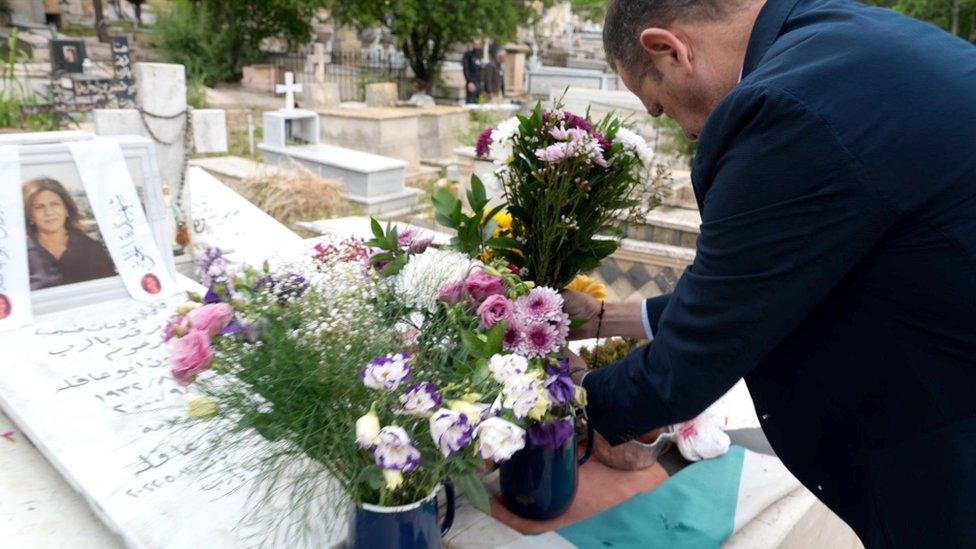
(289, 88)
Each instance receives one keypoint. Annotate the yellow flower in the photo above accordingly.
(504, 219)
(393, 478)
(580, 398)
(472, 412)
(201, 408)
(589, 286)
(541, 407)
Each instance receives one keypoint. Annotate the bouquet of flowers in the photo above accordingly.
(570, 185)
(387, 366)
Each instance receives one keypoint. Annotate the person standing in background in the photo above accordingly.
(472, 65)
(495, 73)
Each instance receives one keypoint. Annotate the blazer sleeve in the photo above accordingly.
(653, 309)
(787, 215)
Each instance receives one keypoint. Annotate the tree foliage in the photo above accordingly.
(589, 10)
(955, 16)
(221, 36)
(425, 30)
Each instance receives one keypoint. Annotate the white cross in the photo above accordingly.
(318, 59)
(289, 88)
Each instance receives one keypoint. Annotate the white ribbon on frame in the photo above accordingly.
(121, 219)
(15, 301)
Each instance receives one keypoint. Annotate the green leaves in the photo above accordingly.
(471, 486)
(372, 476)
(473, 231)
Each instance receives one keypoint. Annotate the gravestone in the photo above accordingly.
(542, 80)
(209, 131)
(160, 115)
(376, 183)
(515, 68)
(318, 93)
(387, 131)
(381, 94)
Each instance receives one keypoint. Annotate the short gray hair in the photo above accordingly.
(626, 19)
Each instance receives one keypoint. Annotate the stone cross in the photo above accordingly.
(289, 88)
(317, 59)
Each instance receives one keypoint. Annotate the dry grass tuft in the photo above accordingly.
(296, 194)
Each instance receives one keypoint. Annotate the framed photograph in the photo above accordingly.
(69, 263)
(68, 56)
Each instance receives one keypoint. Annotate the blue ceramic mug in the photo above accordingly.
(538, 482)
(412, 526)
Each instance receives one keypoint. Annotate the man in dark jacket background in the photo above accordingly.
(472, 64)
(836, 266)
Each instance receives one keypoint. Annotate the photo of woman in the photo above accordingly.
(58, 250)
(4, 306)
(151, 284)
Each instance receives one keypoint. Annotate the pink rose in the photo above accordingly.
(176, 326)
(451, 293)
(480, 285)
(496, 307)
(191, 354)
(211, 318)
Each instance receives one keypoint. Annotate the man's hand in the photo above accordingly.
(581, 308)
(471, 87)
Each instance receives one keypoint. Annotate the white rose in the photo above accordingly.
(499, 439)
(505, 366)
(367, 429)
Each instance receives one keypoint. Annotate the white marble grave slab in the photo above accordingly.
(224, 219)
(91, 388)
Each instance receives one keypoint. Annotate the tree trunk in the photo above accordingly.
(100, 25)
(956, 6)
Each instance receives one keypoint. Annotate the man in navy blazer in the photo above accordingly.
(836, 267)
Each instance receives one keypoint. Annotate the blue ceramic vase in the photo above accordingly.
(538, 482)
(412, 526)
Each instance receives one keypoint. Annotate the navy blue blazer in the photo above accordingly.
(836, 271)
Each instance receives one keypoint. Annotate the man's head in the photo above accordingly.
(680, 57)
(476, 43)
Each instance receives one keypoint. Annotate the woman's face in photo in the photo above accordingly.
(4, 307)
(48, 212)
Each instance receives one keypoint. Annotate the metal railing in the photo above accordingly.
(352, 70)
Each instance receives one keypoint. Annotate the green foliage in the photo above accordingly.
(475, 232)
(427, 29)
(608, 352)
(955, 16)
(14, 94)
(216, 38)
(589, 10)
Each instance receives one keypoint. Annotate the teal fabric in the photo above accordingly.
(693, 509)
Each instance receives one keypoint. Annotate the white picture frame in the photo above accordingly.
(41, 158)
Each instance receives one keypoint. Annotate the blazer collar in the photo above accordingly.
(767, 29)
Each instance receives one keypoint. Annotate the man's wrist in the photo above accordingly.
(623, 319)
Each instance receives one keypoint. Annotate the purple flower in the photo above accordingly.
(292, 285)
(512, 337)
(452, 293)
(577, 122)
(212, 296)
(213, 269)
(480, 285)
(419, 245)
(405, 237)
(484, 140)
(420, 399)
(540, 303)
(550, 434)
(494, 309)
(556, 153)
(176, 326)
(602, 141)
(539, 338)
(451, 431)
(392, 449)
(387, 372)
(560, 387)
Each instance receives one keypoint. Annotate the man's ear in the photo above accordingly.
(666, 49)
